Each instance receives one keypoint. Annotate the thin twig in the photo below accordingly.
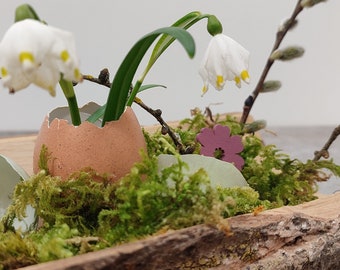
(166, 129)
(248, 104)
(104, 79)
(324, 151)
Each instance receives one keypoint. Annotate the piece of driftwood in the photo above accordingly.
(306, 236)
(301, 237)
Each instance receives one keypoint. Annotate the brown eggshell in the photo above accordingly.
(112, 149)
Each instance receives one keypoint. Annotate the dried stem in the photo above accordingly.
(249, 102)
(324, 151)
(166, 129)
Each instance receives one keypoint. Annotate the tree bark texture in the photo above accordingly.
(306, 236)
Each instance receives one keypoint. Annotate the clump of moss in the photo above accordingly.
(76, 202)
(82, 214)
(15, 252)
(242, 200)
(146, 202)
(280, 179)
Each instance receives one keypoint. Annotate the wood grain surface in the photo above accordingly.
(20, 150)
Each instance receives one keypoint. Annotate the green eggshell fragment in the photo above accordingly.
(222, 174)
(11, 174)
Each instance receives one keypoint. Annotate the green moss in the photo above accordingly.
(142, 203)
(43, 158)
(15, 252)
(242, 200)
(171, 200)
(55, 243)
(281, 180)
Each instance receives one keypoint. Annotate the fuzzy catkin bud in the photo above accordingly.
(285, 23)
(270, 86)
(254, 126)
(214, 26)
(25, 11)
(310, 3)
(288, 53)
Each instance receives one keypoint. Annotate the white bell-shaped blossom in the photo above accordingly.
(225, 59)
(33, 52)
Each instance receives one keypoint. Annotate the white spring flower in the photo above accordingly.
(225, 59)
(33, 52)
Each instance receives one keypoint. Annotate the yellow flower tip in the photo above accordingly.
(245, 76)
(51, 90)
(4, 72)
(219, 81)
(77, 75)
(64, 56)
(204, 90)
(237, 81)
(27, 60)
(26, 56)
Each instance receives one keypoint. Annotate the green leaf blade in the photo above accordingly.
(165, 40)
(149, 86)
(97, 114)
(121, 83)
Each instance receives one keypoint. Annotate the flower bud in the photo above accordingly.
(214, 26)
(25, 11)
(288, 53)
(270, 86)
(284, 23)
(249, 101)
(310, 3)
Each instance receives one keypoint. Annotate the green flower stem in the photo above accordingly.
(25, 11)
(74, 111)
(119, 95)
(70, 95)
(119, 92)
(164, 42)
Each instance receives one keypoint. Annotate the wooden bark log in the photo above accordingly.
(301, 237)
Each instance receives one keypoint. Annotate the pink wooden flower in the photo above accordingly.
(218, 143)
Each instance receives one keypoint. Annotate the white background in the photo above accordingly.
(106, 30)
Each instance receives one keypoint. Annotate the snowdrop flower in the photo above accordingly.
(32, 52)
(225, 59)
